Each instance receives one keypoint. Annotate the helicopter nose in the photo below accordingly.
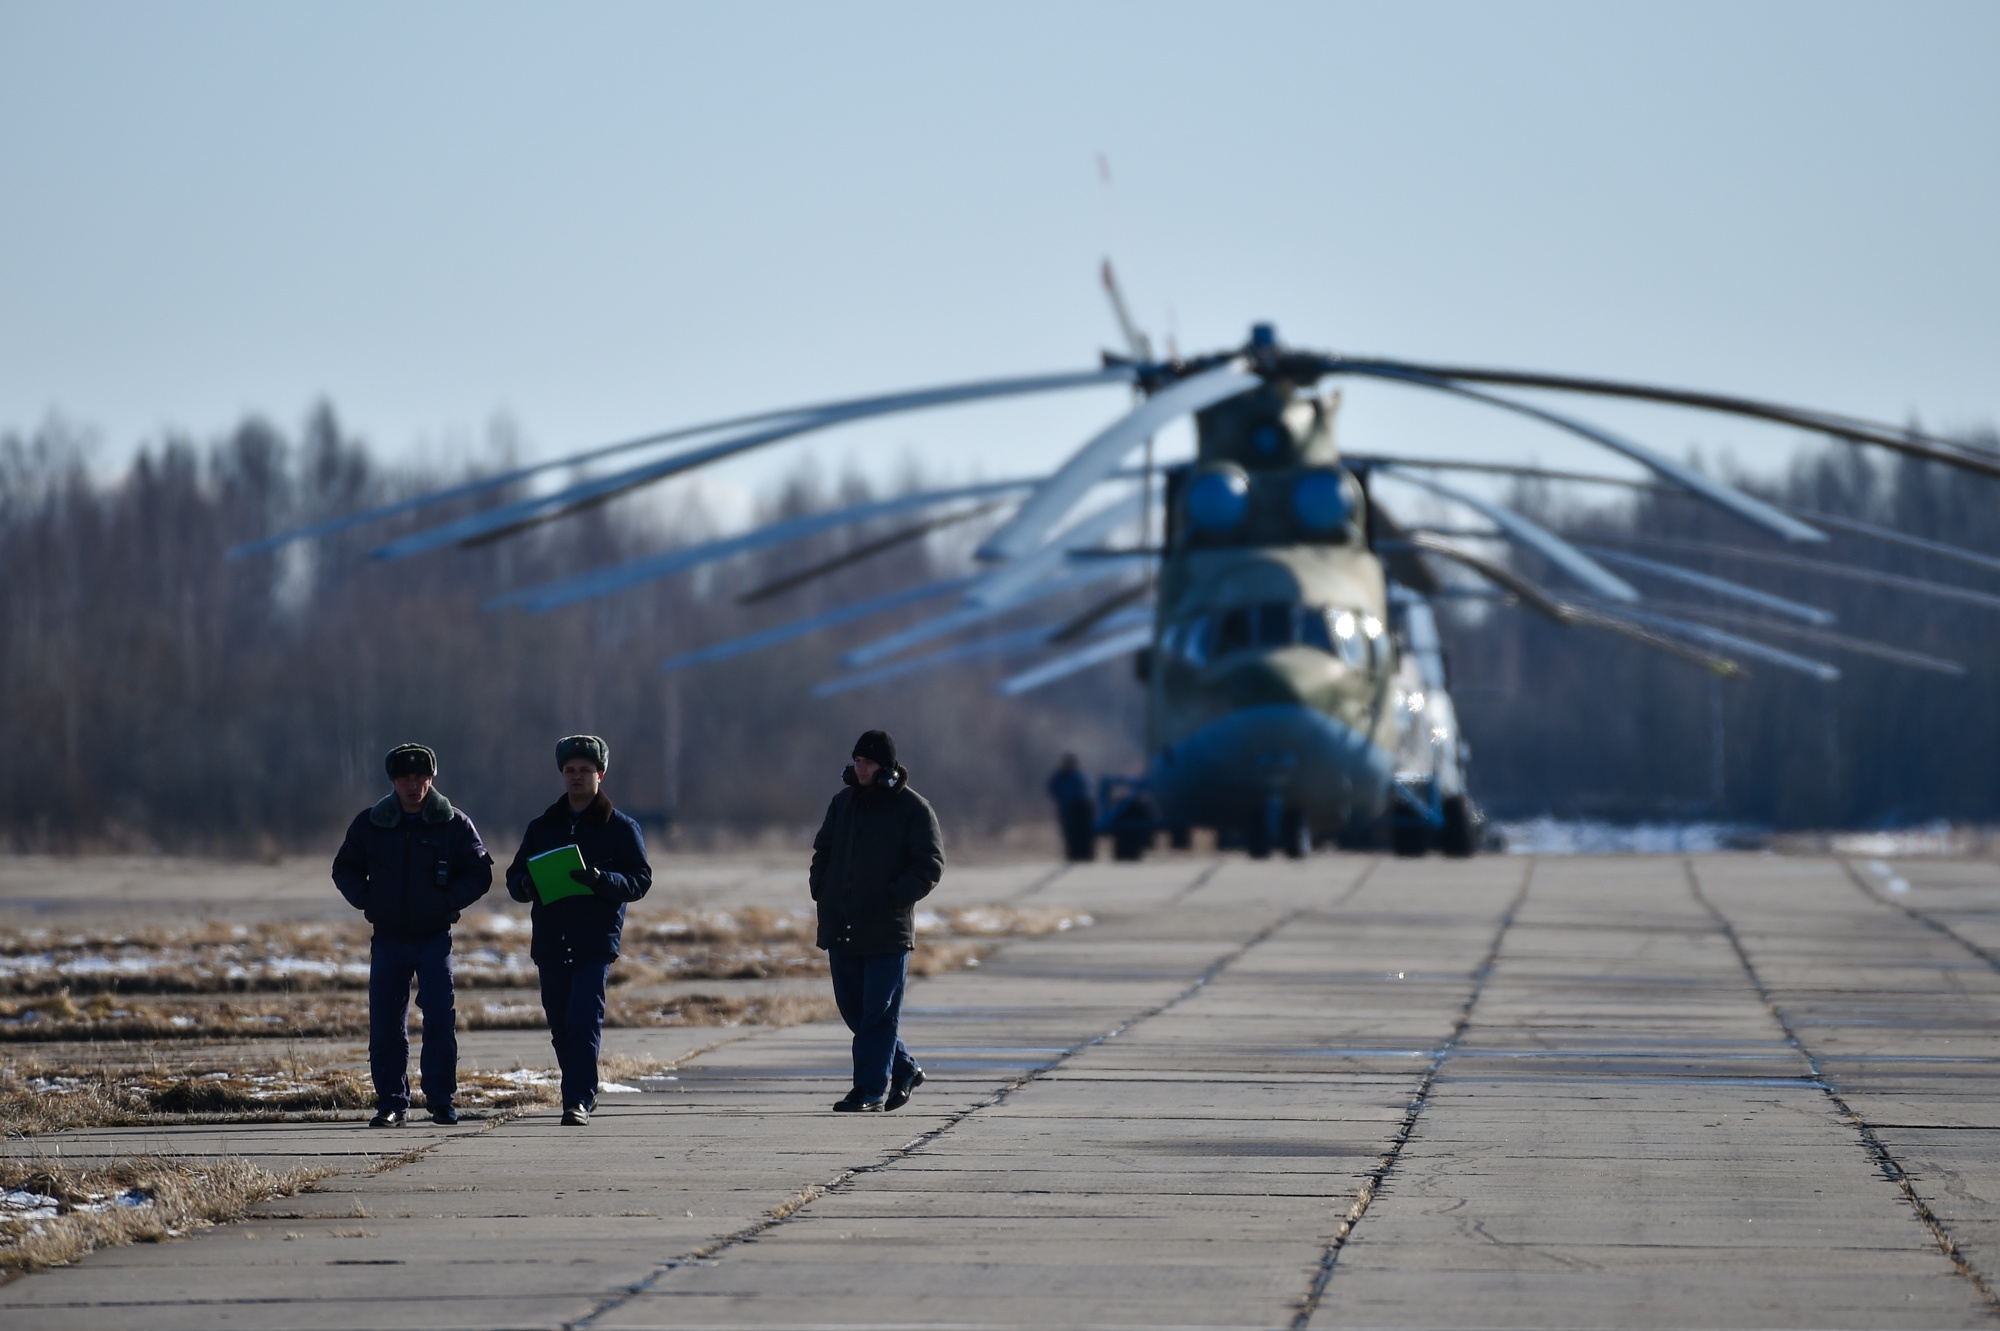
(1260, 681)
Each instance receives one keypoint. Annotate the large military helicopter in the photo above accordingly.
(1296, 690)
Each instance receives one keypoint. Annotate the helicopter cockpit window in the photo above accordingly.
(1313, 631)
(1338, 633)
(1277, 624)
(1234, 635)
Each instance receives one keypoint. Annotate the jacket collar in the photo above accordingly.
(899, 776)
(597, 813)
(388, 811)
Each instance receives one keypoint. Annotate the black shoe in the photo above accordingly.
(900, 1088)
(575, 1116)
(852, 1103)
(389, 1118)
(447, 1116)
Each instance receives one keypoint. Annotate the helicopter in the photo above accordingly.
(1284, 623)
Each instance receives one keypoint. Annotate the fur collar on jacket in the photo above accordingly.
(388, 811)
(597, 813)
(898, 779)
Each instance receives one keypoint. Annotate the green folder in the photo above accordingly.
(551, 869)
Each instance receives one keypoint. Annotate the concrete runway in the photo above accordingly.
(1725, 1091)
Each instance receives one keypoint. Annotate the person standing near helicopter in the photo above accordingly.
(878, 853)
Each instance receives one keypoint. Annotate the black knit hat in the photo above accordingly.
(583, 746)
(410, 760)
(877, 747)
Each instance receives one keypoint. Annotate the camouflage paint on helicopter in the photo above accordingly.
(1281, 709)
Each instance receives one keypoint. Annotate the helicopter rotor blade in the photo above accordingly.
(1888, 535)
(1101, 455)
(1105, 608)
(1735, 591)
(1607, 622)
(1531, 534)
(1744, 506)
(1930, 447)
(1081, 536)
(1825, 568)
(860, 553)
(599, 582)
(1568, 613)
(507, 519)
(1136, 341)
(965, 616)
(1002, 644)
(1842, 642)
(813, 416)
(1531, 594)
(1891, 536)
(1730, 642)
(798, 628)
(1389, 538)
(1096, 653)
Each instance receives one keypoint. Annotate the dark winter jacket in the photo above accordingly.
(877, 855)
(583, 929)
(1068, 786)
(412, 875)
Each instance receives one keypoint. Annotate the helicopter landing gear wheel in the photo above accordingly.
(1181, 837)
(1456, 839)
(1295, 836)
(1128, 843)
(1409, 839)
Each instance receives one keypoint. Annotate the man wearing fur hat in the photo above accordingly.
(576, 938)
(878, 853)
(411, 864)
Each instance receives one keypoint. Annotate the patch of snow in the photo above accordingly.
(1555, 836)
(20, 1204)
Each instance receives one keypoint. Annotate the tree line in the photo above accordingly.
(1572, 722)
(155, 694)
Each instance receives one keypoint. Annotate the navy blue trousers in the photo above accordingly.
(573, 998)
(869, 992)
(391, 962)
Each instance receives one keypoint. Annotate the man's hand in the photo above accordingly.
(596, 880)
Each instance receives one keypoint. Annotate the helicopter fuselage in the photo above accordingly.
(1281, 707)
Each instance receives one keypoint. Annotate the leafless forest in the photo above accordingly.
(155, 694)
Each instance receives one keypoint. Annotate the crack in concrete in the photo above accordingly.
(1878, 1151)
(798, 1201)
(1867, 889)
(1041, 882)
(1202, 880)
(1379, 1176)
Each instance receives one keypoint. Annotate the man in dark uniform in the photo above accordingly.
(576, 938)
(878, 853)
(1076, 812)
(411, 864)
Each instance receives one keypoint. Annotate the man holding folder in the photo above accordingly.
(579, 863)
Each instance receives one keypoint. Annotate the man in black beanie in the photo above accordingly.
(878, 853)
(576, 937)
(411, 864)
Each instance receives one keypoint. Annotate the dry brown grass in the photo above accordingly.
(302, 980)
(36, 1100)
(68, 1211)
(718, 1010)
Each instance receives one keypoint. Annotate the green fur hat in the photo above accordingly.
(583, 746)
(411, 760)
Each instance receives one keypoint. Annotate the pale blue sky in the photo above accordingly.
(599, 219)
